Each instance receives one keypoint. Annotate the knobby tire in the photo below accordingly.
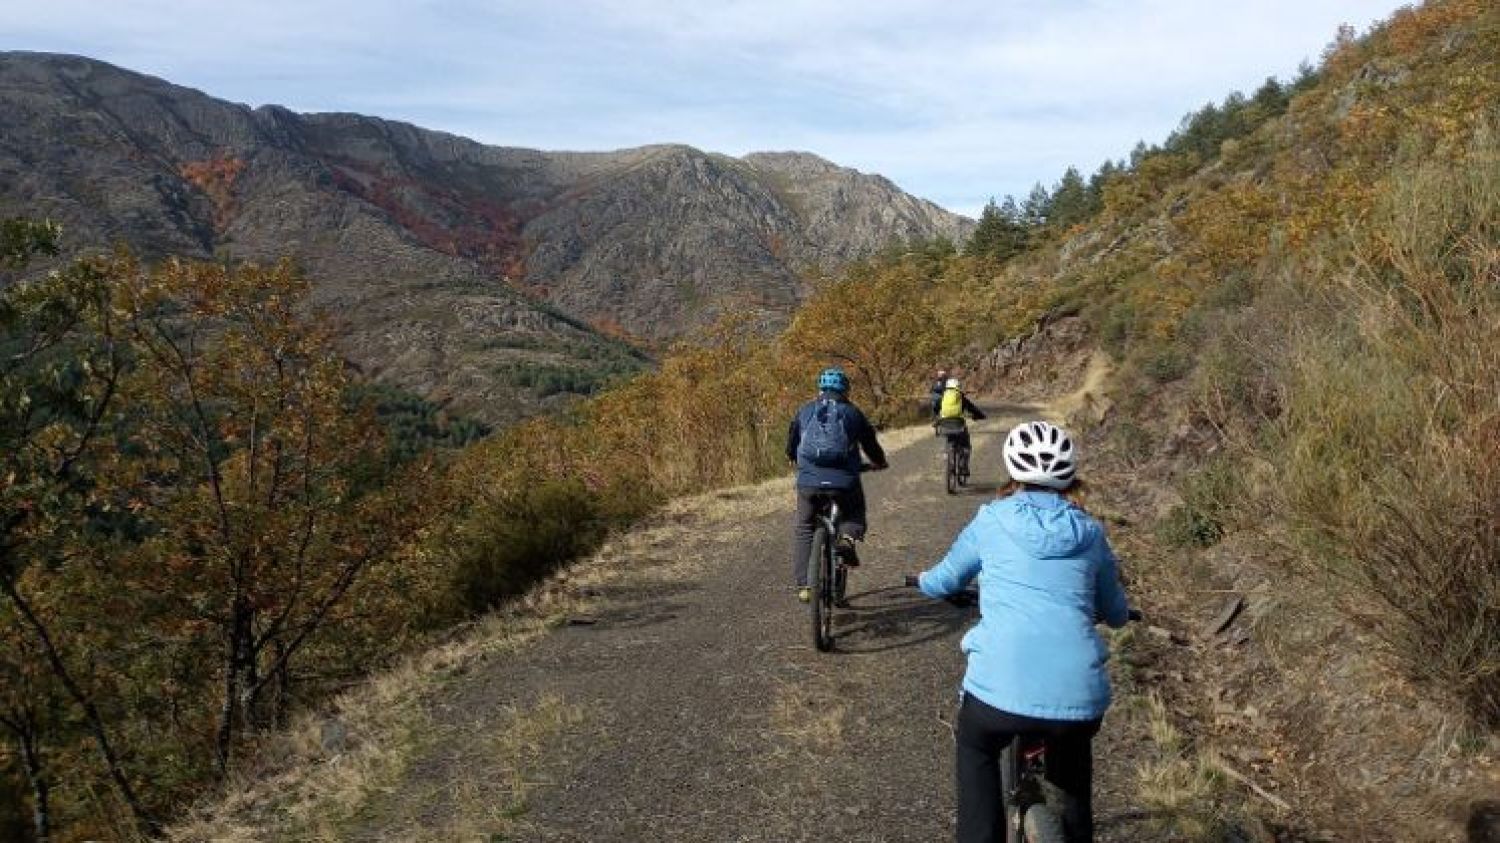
(820, 580)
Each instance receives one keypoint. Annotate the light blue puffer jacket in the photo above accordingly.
(1046, 572)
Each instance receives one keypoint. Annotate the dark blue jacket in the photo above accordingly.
(861, 436)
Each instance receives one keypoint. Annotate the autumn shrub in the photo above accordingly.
(1167, 363)
(523, 534)
(1209, 495)
(1389, 449)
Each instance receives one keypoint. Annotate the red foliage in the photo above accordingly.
(449, 220)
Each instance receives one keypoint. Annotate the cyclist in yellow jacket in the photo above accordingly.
(951, 408)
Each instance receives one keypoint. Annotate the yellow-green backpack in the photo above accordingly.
(953, 404)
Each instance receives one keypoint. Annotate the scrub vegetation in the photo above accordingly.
(208, 522)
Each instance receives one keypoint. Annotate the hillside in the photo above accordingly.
(434, 250)
(1272, 335)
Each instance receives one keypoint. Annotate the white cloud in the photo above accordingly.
(956, 101)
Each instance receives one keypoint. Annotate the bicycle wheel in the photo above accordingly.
(1041, 825)
(963, 467)
(950, 475)
(820, 580)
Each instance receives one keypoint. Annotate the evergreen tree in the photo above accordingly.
(1101, 177)
(1270, 98)
(1000, 233)
(1037, 208)
(1070, 200)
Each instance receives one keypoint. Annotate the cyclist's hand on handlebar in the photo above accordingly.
(961, 600)
(911, 580)
(1135, 615)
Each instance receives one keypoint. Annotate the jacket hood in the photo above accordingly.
(1043, 523)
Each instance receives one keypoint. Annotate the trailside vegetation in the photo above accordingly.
(206, 519)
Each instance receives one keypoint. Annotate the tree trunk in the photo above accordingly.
(236, 647)
(41, 811)
(91, 713)
(283, 686)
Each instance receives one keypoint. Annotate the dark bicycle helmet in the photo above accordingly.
(833, 380)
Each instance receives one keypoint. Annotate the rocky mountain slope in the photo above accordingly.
(432, 249)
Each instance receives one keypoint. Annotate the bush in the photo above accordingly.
(523, 535)
(1209, 496)
(1132, 442)
(1390, 445)
(1167, 364)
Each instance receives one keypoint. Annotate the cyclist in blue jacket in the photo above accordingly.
(824, 441)
(1036, 663)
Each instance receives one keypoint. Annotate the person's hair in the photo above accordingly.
(1076, 494)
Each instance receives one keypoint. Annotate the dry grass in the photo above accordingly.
(315, 780)
(337, 767)
(1186, 787)
(807, 716)
(1389, 451)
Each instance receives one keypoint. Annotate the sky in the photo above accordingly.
(955, 101)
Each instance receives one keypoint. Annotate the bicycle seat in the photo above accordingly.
(821, 498)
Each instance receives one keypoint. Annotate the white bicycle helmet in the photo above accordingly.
(952, 383)
(1040, 454)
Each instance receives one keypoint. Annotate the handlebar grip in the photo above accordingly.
(1134, 615)
(910, 580)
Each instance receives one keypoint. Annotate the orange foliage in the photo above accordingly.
(216, 178)
(1412, 28)
(1229, 227)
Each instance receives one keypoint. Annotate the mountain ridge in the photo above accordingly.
(451, 264)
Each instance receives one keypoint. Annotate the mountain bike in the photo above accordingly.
(1029, 816)
(956, 470)
(827, 575)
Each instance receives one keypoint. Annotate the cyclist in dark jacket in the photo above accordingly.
(829, 418)
(936, 391)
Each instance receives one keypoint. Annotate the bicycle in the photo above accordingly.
(1029, 816)
(827, 575)
(956, 471)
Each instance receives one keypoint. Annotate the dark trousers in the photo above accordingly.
(851, 522)
(982, 736)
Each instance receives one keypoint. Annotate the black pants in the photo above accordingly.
(851, 523)
(983, 733)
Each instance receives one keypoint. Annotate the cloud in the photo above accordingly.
(955, 101)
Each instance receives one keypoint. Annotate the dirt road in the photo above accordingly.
(686, 703)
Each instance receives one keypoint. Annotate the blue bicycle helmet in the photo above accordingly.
(833, 380)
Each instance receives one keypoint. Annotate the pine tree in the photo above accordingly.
(1037, 208)
(1070, 200)
(1000, 233)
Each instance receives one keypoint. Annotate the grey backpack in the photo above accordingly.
(825, 437)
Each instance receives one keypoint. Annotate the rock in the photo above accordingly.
(1231, 610)
(1166, 635)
